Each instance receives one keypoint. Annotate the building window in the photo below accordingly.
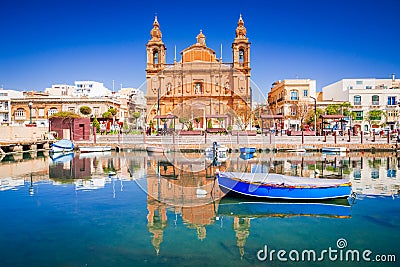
(391, 100)
(294, 95)
(359, 82)
(375, 100)
(359, 115)
(71, 109)
(368, 87)
(305, 93)
(41, 112)
(52, 111)
(293, 111)
(20, 113)
(96, 111)
(357, 100)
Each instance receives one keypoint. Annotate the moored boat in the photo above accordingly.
(88, 149)
(338, 149)
(156, 149)
(271, 185)
(247, 150)
(298, 150)
(64, 145)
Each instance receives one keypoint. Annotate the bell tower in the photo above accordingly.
(155, 50)
(241, 49)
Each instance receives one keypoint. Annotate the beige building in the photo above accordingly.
(199, 87)
(45, 106)
(292, 98)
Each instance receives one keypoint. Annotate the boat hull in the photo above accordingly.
(88, 149)
(156, 149)
(334, 149)
(62, 146)
(259, 190)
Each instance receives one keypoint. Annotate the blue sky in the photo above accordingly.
(45, 42)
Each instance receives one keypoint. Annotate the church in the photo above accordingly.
(199, 91)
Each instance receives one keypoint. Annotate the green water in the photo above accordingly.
(111, 221)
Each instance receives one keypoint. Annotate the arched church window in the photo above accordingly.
(155, 57)
(241, 56)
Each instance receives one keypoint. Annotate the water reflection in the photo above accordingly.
(180, 189)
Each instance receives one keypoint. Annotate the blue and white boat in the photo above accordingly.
(334, 149)
(64, 145)
(272, 185)
(247, 150)
(333, 208)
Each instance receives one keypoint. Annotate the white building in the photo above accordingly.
(365, 95)
(5, 104)
(90, 89)
(136, 103)
(61, 90)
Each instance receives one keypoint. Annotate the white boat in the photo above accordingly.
(336, 149)
(221, 153)
(64, 145)
(88, 149)
(298, 150)
(157, 149)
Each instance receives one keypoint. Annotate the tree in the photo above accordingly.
(375, 116)
(85, 110)
(310, 117)
(113, 111)
(339, 109)
(136, 116)
(107, 115)
(302, 109)
(65, 115)
(96, 124)
(209, 123)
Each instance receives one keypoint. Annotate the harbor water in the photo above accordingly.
(138, 209)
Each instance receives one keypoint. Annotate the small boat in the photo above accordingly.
(64, 145)
(221, 153)
(333, 208)
(298, 150)
(338, 149)
(88, 149)
(247, 150)
(272, 185)
(157, 149)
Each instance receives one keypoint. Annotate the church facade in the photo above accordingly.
(200, 88)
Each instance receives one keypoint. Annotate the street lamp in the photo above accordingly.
(315, 114)
(30, 104)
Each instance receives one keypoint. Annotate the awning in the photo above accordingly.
(271, 117)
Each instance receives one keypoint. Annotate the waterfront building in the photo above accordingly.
(5, 105)
(199, 87)
(365, 95)
(45, 106)
(136, 102)
(293, 99)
